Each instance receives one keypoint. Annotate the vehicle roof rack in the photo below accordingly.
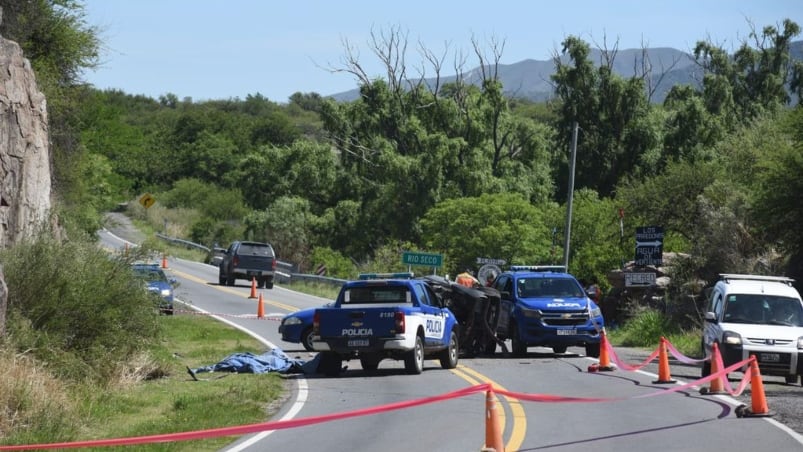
(539, 268)
(734, 276)
(402, 275)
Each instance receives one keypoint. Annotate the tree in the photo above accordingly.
(501, 226)
(609, 111)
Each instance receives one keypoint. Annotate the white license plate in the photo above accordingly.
(567, 332)
(358, 343)
(769, 357)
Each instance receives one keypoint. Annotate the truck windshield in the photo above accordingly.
(763, 309)
(386, 294)
(548, 288)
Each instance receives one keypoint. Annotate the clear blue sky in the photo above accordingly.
(208, 49)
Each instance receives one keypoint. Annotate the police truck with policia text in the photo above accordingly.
(385, 316)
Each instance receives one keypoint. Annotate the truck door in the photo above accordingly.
(435, 330)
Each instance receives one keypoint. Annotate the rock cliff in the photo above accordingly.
(24, 155)
(24, 148)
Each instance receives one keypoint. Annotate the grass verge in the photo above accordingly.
(174, 402)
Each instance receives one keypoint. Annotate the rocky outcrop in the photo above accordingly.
(24, 148)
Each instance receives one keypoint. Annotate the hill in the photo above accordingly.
(530, 79)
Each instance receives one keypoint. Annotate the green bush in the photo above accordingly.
(75, 304)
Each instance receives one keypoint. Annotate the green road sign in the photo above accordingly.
(424, 259)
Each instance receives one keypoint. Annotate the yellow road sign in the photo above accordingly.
(147, 200)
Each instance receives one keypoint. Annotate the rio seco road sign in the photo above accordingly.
(424, 259)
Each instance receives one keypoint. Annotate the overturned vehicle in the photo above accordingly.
(478, 312)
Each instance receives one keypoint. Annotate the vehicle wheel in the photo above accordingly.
(519, 347)
(790, 379)
(330, 364)
(559, 349)
(490, 347)
(706, 371)
(221, 280)
(449, 356)
(414, 360)
(269, 285)
(592, 350)
(306, 339)
(230, 280)
(260, 283)
(369, 363)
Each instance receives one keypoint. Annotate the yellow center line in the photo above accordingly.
(519, 429)
(470, 375)
(279, 305)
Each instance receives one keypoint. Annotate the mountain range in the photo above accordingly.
(531, 79)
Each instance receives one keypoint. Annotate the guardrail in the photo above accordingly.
(288, 275)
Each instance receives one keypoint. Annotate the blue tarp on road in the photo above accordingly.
(273, 361)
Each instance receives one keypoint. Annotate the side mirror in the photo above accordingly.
(710, 317)
(504, 295)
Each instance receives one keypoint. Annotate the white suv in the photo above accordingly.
(756, 315)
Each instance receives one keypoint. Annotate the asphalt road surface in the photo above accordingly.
(633, 413)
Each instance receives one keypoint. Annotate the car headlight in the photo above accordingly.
(596, 312)
(166, 292)
(291, 321)
(531, 313)
(731, 338)
(800, 343)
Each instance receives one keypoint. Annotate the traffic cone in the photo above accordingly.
(663, 364)
(716, 386)
(493, 433)
(759, 401)
(253, 288)
(164, 261)
(260, 307)
(604, 359)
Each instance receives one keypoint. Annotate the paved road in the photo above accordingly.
(538, 368)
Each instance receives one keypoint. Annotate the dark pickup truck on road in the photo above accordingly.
(248, 260)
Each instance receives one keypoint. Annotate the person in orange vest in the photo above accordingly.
(467, 279)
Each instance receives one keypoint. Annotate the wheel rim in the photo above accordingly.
(419, 354)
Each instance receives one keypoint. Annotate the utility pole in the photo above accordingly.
(568, 229)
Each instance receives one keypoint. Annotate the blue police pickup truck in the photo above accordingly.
(385, 316)
(548, 307)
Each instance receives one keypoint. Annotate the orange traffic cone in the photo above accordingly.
(759, 401)
(260, 307)
(253, 288)
(663, 364)
(604, 359)
(164, 261)
(493, 433)
(716, 387)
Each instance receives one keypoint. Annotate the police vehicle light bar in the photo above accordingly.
(403, 275)
(539, 268)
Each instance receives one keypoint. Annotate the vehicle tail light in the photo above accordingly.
(235, 261)
(399, 322)
(273, 264)
(316, 324)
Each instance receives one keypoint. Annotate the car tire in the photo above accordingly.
(260, 283)
(221, 280)
(449, 356)
(790, 379)
(269, 285)
(558, 349)
(230, 280)
(306, 339)
(706, 370)
(414, 359)
(592, 350)
(519, 347)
